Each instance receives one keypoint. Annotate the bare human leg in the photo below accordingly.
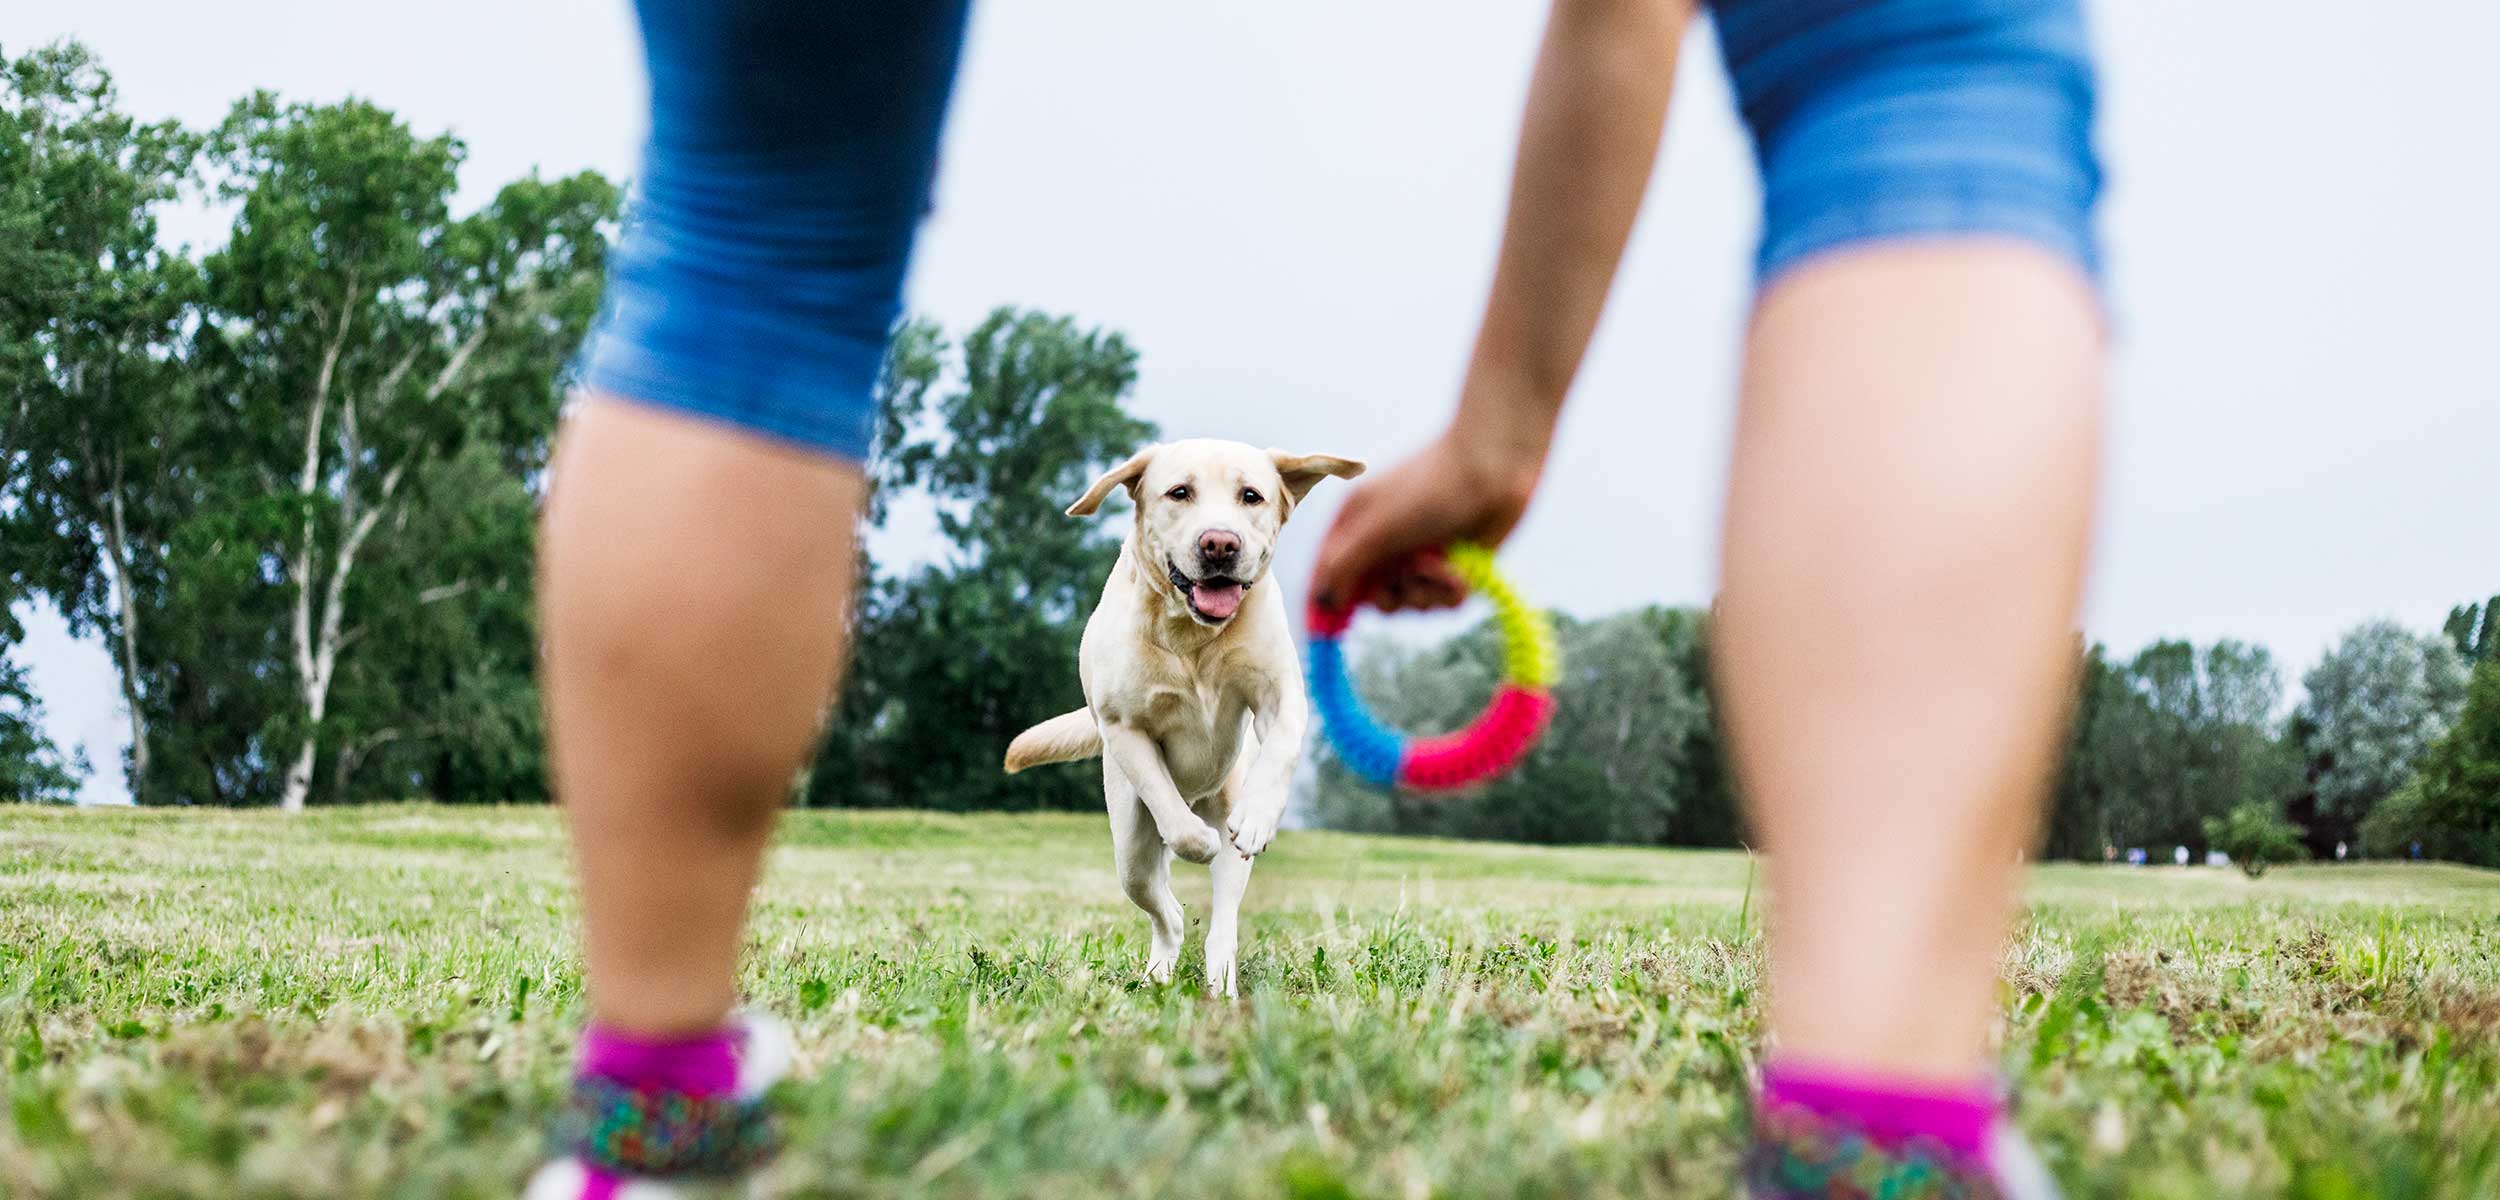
(1907, 524)
(694, 584)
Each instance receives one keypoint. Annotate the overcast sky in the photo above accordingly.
(1291, 209)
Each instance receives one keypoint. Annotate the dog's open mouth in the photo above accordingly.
(1214, 599)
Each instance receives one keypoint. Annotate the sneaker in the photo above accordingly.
(1797, 1156)
(693, 1148)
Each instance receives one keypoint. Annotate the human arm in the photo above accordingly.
(1595, 109)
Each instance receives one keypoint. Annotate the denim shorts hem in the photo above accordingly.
(1927, 219)
(805, 417)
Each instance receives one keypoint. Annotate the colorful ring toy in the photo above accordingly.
(1489, 745)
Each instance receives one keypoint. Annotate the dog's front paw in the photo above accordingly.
(1198, 843)
(1223, 974)
(1253, 831)
(1160, 963)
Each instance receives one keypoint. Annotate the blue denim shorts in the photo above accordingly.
(1885, 120)
(793, 143)
(761, 269)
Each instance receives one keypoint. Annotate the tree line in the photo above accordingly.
(289, 483)
(2393, 751)
(286, 481)
(1632, 755)
(2177, 743)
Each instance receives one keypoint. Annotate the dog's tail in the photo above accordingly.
(1063, 738)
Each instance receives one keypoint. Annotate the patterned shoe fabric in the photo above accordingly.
(1798, 1155)
(623, 1143)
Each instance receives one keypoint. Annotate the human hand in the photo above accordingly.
(1465, 486)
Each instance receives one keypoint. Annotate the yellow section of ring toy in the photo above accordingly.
(1528, 657)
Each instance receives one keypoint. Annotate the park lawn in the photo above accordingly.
(379, 1002)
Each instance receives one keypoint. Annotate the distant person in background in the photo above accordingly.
(1906, 525)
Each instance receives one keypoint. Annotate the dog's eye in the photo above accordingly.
(1251, 496)
(1178, 493)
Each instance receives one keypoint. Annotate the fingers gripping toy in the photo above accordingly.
(1489, 745)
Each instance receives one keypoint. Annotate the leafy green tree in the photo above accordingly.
(2321, 831)
(958, 656)
(2399, 825)
(2128, 766)
(32, 769)
(1632, 743)
(1613, 766)
(2256, 836)
(2077, 823)
(1707, 812)
(92, 314)
(2242, 685)
(245, 473)
(1423, 689)
(2375, 703)
(362, 336)
(450, 708)
(215, 667)
(2458, 805)
(2474, 630)
(2179, 735)
(2147, 749)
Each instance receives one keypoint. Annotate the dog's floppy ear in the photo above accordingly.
(1302, 472)
(1125, 475)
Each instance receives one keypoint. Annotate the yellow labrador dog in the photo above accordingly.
(1193, 691)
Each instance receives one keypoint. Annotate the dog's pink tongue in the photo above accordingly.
(1217, 600)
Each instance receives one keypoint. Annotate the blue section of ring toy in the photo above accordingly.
(1361, 743)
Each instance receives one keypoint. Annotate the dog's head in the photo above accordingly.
(1208, 513)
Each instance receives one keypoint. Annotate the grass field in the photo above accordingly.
(379, 1003)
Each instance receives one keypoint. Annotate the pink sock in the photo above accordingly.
(705, 1064)
(1959, 1118)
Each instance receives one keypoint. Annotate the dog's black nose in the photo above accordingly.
(1219, 548)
